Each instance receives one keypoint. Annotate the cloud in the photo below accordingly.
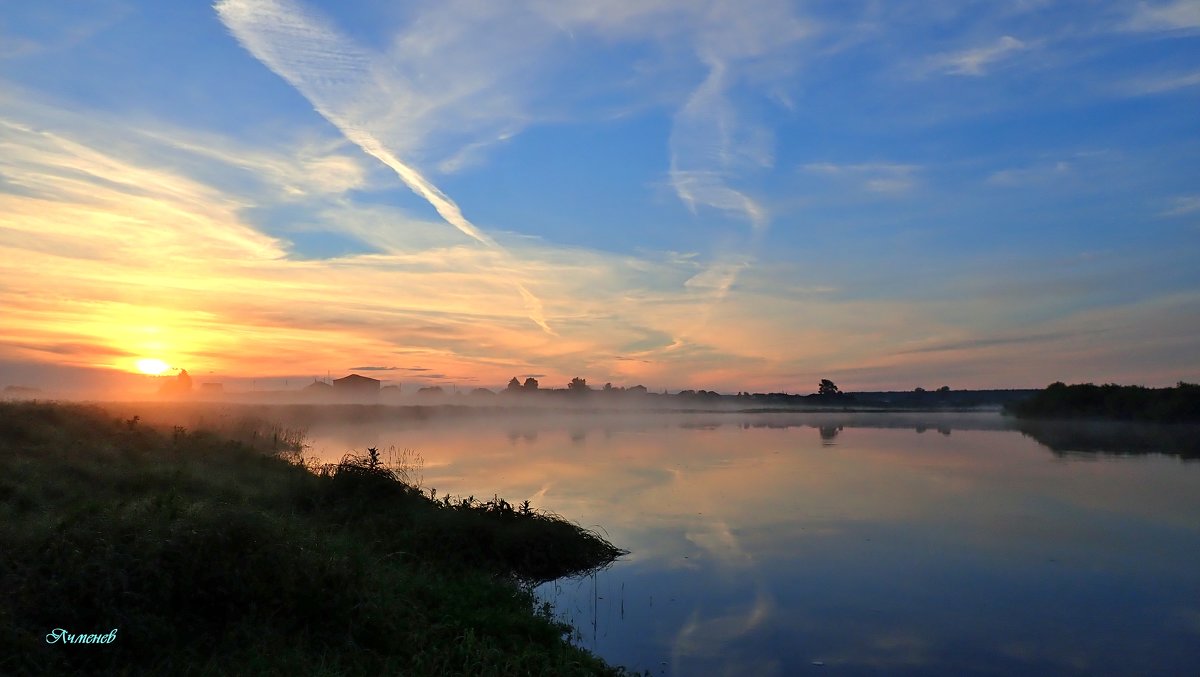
(977, 60)
(705, 154)
(334, 74)
(1029, 175)
(1183, 205)
(712, 143)
(460, 76)
(990, 341)
(143, 208)
(1171, 15)
(881, 178)
(1148, 86)
(317, 168)
(139, 239)
(107, 251)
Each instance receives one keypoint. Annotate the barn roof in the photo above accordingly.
(355, 379)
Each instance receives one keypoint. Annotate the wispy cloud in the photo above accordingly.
(110, 252)
(123, 236)
(1026, 175)
(136, 261)
(977, 60)
(706, 151)
(447, 78)
(1157, 84)
(989, 341)
(145, 208)
(1183, 205)
(878, 177)
(334, 74)
(1169, 15)
(712, 143)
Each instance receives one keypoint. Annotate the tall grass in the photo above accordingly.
(210, 557)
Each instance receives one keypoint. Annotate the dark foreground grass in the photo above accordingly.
(210, 557)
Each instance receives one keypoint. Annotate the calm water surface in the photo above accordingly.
(843, 544)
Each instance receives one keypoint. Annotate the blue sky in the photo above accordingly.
(682, 194)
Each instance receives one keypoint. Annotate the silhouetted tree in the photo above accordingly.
(944, 389)
(918, 389)
(530, 383)
(180, 385)
(578, 385)
(1168, 405)
(827, 387)
(513, 385)
(608, 387)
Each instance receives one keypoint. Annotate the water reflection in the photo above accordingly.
(829, 433)
(526, 436)
(1122, 439)
(757, 551)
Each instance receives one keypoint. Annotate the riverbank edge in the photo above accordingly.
(209, 556)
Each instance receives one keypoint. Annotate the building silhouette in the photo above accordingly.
(356, 386)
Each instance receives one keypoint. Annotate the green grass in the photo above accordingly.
(212, 557)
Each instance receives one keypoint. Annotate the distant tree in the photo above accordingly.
(918, 389)
(944, 389)
(1110, 401)
(827, 387)
(578, 385)
(530, 383)
(180, 385)
(431, 390)
(608, 387)
(513, 385)
(639, 389)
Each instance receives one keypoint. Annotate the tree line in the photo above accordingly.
(1110, 401)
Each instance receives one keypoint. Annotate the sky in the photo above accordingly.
(676, 193)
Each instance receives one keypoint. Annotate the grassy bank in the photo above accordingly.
(210, 557)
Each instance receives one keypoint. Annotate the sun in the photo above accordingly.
(152, 366)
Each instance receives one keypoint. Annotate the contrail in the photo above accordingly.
(333, 74)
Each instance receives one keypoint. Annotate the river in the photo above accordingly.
(848, 544)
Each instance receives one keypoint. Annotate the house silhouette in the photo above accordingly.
(356, 386)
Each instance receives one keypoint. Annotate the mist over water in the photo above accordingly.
(862, 543)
